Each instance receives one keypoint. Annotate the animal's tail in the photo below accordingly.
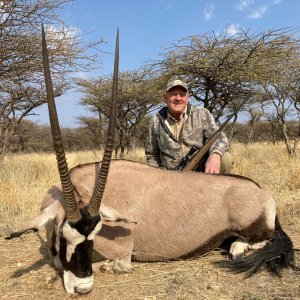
(276, 255)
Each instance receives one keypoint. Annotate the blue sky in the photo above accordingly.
(146, 27)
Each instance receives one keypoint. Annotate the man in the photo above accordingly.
(178, 126)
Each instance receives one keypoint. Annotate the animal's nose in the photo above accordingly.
(83, 289)
(84, 286)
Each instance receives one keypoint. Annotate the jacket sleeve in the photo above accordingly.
(209, 128)
(152, 150)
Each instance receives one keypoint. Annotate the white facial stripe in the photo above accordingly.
(92, 235)
(71, 234)
(74, 284)
(73, 238)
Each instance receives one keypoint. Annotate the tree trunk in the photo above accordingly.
(5, 134)
(273, 130)
(122, 153)
(116, 151)
(286, 138)
(297, 139)
(232, 127)
(250, 135)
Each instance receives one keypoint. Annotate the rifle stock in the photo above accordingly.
(192, 160)
(195, 161)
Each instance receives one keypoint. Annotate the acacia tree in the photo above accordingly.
(96, 128)
(137, 96)
(21, 74)
(222, 69)
(284, 96)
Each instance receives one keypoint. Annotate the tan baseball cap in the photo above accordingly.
(176, 82)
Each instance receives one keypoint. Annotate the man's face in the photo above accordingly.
(176, 99)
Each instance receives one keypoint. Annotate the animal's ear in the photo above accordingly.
(109, 214)
(35, 224)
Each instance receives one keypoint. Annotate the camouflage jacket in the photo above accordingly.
(163, 150)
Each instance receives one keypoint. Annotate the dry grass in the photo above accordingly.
(26, 273)
(270, 166)
(25, 178)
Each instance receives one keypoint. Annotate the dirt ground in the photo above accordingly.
(27, 274)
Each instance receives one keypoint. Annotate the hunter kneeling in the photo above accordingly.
(178, 127)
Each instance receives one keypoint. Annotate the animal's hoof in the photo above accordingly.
(238, 249)
(106, 266)
(103, 268)
(121, 267)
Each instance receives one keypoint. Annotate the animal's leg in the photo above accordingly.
(102, 266)
(256, 246)
(109, 214)
(257, 234)
(119, 265)
(122, 265)
(57, 263)
(276, 253)
(52, 250)
(238, 248)
(46, 215)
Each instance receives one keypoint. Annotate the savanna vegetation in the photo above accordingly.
(221, 70)
(24, 179)
(31, 137)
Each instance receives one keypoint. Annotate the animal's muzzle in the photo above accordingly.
(84, 288)
(74, 284)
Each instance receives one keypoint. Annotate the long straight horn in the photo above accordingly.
(72, 210)
(94, 205)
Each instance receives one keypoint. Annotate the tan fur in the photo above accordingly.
(177, 213)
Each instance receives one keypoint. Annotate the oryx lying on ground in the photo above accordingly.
(177, 214)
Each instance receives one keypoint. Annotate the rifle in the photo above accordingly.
(193, 158)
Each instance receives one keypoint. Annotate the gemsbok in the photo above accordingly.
(149, 214)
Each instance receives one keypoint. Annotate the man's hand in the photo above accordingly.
(213, 163)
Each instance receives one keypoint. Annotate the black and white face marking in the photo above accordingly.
(75, 246)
